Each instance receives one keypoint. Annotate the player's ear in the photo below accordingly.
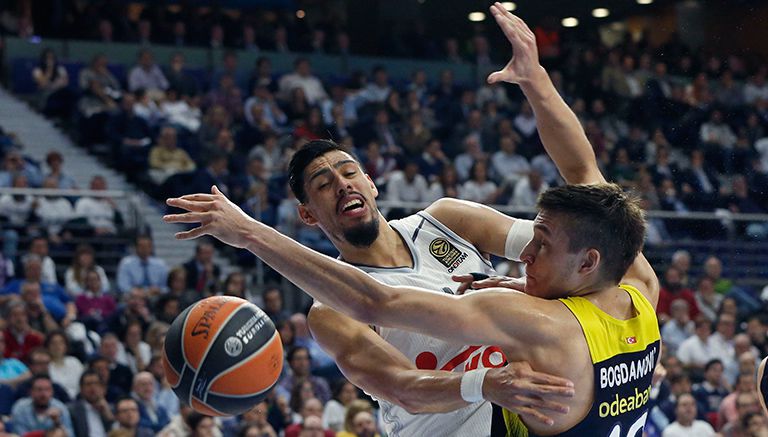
(306, 215)
(590, 262)
(373, 186)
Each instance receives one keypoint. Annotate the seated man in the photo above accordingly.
(55, 298)
(40, 411)
(127, 417)
(20, 338)
(152, 416)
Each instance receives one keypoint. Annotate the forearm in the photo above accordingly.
(332, 282)
(13, 382)
(561, 132)
(377, 367)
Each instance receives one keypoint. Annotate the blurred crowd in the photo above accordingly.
(683, 128)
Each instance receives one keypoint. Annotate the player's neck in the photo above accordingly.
(388, 250)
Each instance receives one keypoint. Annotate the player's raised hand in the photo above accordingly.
(525, 61)
(217, 215)
(519, 389)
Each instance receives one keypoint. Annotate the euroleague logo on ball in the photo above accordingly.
(233, 346)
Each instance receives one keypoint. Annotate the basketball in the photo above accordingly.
(222, 355)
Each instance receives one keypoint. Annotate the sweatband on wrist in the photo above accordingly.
(472, 385)
(520, 234)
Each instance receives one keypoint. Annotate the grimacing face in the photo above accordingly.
(340, 199)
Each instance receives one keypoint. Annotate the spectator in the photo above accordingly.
(101, 366)
(130, 135)
(756, 88)
(507, 164)
(710, 393)
(179, 79)
(311, 420)
(728, 411)
(147, 75)
(101, 212)
(447, 185)
(64, 369)
(134, 308)
(91, 414)
(679, 327)
(272, 115)
(227, 95)
(54, 211)
(39, 246)
(713, 269)
(364, 425)
(120, 376)
(20, 339)
(273, 305)
(433, 160)
(353, 409)
(40, 319)
(39, 363)
(300, 363)
(202, 273)
(416, 135)
(166, 158)
(128, 418)
(672, 288)
(164, 395)
(528, 189)
(152, 416)
(708, 301)
(142, 270)
(302, 77)
(344, 392)
(478, 188)
(755, 424)
(18, 209)
(722, 338)
(181, 111)
(132, 351)
(51, 78)
(377, 91)
(698, 349)
(56, 300)
(40, 411)
(746, 403)
(406, 185)
(75, 278)
(94, 306)
(686, 423)
(55, 162)
(254, 422)
(177, 287)
(12, 371)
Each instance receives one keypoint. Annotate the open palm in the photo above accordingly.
(525, 62)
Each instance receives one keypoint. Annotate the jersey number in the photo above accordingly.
(633, 430)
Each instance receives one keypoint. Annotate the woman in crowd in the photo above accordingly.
(52, 81)
(344, 392)
(94, 307)
(64, 369)
(84, 260)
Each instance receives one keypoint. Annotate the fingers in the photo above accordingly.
(551, 380)
(190, 204)
(199, 197)
(192, 233)
(530, 412)
(189, 217)
(462, 278)
(542, 404)
(496, 76)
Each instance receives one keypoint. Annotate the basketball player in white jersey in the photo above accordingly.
(422, 250)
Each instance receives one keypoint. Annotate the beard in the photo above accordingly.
(363, 235)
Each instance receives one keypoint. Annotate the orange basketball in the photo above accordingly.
(222, 355)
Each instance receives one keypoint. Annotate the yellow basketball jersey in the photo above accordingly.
(624, 355)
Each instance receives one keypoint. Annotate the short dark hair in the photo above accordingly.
(302, 158)
(711, 363)
(292, 352)
(600, 216)
(38, 377)
(87, 373)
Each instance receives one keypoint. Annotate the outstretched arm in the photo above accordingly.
(561, 133)
(507, 319)
(377, 367)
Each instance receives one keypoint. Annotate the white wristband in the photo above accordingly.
(472, 385)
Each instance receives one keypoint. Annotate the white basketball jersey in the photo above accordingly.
(437, 254)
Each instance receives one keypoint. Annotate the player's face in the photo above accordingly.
(341, 199)
(549, 267)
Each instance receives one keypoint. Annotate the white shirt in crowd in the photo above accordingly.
(524, 195)
(694, 352)
(17, 212)
(67, 374)
(511, 167)
(698, 428)
(54, 212)
(313, 88)
(477, 192)
(99, 213)
(400, 189)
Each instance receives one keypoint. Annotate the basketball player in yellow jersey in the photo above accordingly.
(587, 313)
